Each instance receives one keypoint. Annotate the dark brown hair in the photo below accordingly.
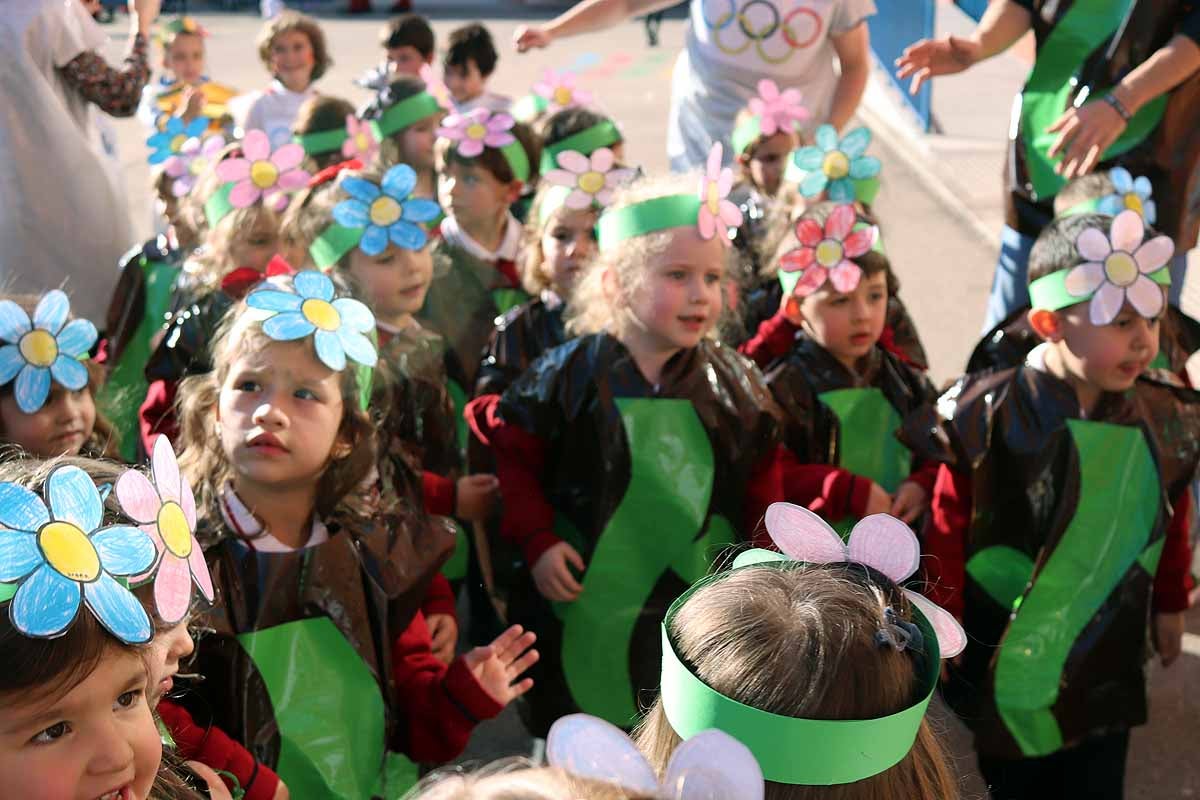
(409, 30)
(471, 43)
(493, 160)
(318, 114)
(568, 122)
(1054, 249)
(295, 21)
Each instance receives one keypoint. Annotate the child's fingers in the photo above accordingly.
(518, 689)
(505, 640)
(510, 654)
(523, 663)
(477, 655)
(575, 559)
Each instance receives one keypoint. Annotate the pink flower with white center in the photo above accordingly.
(1118, 267)
(559, 89)
(777, 111)
(477, 129)
(194, 157)
(262, 173)
(360, 141)
(590, 179)
(166, 511)
(714, 206)
(826, 253)
(434, 85)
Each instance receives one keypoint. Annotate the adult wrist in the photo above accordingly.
(1115, 103)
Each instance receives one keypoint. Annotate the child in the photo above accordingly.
(47, 383)
(642, 411)
(307, 216)
(817, 647)
(292, 48)
(843, 394)
(1062, 506)
(580, 129)
(469, 61)
(314, 580)
(322, 128)
(184, 90)
(404, 119)
(409, 44)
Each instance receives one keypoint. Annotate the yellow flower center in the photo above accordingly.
(562, 96)
(39, 348)
(713, 198)
(174, 530)
(69, 551)
(321, 314)
(1120, 268)
(177, 143)
(198, 165)
(591, 182)
(384, 211)
(829, 253)
(476, 131)
(836, 164)
(362, 142)
(264, 174)
(1134, 202)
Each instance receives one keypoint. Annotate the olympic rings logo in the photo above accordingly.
(758, 26)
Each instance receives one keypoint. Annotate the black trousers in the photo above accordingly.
(1094, 769)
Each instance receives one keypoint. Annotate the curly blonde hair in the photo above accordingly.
(514, 779)
(295, 21)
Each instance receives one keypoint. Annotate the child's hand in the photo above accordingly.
(911, 502)
(193, 103)
(789, 307)
(530, 36)
(476, 496)
(217, 789)
(500, 663)
(552, 573)
(444, 632)
(1168, 636)
(878, 501)
(281, 792)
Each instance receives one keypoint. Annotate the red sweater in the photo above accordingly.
(213, 748)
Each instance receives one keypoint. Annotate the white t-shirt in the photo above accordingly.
(272, 111)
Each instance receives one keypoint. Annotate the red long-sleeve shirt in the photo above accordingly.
(213, 748)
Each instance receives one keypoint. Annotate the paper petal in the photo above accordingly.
(14, 322)
(124, 550)
(355, 315)
(1145, 296)
(118, 610)
(165, 469)
(826, 138)
(1128, 228)
(591, 748)
(407, 235)
(69, 372)
(329, 350)
(840, 222)
(1154, 254)
(808, 158)
(1106, 304)
(360, 189)
(51, 311)
(420, 209)
(73, 498)
(809, 232)
(11, 362)
(855, 143)
(77, 337)
(887, 544)
(578, 200)
(1142, 187)
(864, 167)
(172, 589)
(860, 241)
(1150, 211)
(845, 276)
(797, 259)
(498, 139)
(256, 146)
(602, 159)
(374, 240)
(357, 347)
(200, 574)
(233, 169)
(399, 181)
(470, 148)
(19, 555)
(841, 190)
(274, 300)
(813, 184)
(560, 177)
(288, 326)
(573, 161)
(713, 167)
(952, 639)
(706, 223)
(351, 214)
(21, 509)
(32, 388)
(1122, 181)
(312, 284)
(803, 535)
(812, 280)
(45, 604)
(138, 498)
(288, 157)
(292, 180)
(244, 194)
(1084, 279)
(712, 765)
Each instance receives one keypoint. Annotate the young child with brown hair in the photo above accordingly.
(292, 49)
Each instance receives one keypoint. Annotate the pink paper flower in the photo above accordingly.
(559, 89)
(1118, 267)
(166, 511)
(193, 159)
(714, 205)
(826, 253)
(477, 129)
(262, 173)
(360, 141)
(777, 111)
(591, 180)
(434, 85)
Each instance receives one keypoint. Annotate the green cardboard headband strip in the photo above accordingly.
(333, 243)
(604, 134)
(1091, 206)
(518, 160)
(319, 142)
(639, 219)
(403, 114)
(790, 750)
(218, 206)
(1049, 292)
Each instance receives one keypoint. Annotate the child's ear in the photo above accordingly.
(513, 192)
(791, 310)
(1046, 324)
(743, 159)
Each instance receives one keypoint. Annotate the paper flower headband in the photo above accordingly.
(553, 93)
(774, 112)
(1129, 192)
(709, 210)
(480, 128)
(813, 752)
(175, 134)
(375, 215)
(353, 140)
(581, 182)
(43, 348)
(838, 168)
(178, 26)
(587, 141)
(195, 156)
(1118, 266)
(338, 326)
(710, 765)
(402, 114)
(260, 174)
(825, 253)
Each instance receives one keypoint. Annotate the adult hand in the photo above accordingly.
(476, 496)
(217, 789)
(496, 666)
(552, 573)
(929, 58)
(193, 103)
(443, 630)
(529, 37)
(143, 13)
(910, 503)
(1084, 134)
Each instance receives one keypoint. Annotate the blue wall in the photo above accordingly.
(898, 24)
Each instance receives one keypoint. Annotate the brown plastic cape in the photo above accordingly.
(521, 337)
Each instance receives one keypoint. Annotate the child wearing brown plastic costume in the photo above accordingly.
(321, 129)
(404, 118)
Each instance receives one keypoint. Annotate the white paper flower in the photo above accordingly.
(1118, 267)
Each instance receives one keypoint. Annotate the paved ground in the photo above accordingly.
(940, 207)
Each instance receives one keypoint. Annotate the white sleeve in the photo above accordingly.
(849, 13)
(69, 31)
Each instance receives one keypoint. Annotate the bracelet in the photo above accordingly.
(1117, 105)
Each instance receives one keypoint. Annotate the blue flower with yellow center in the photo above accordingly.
(834, 166)
(42, 348)
(385, 211)
(169, 141)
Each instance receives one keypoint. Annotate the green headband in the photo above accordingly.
(586, 142)
(1049, 292)
(408, 111)
(217, 206)
(648, 216)
(333, 243)
(1091, 206)
(319, 142)
(791, 750)
(518, 160)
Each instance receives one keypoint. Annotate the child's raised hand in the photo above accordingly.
(552, 573)
(878, 501)
(929, 58)
(1168, 636)
(217, 789)
(443, 630)
(498, 665)
(911, 502)
(476, 496)
(528, 37)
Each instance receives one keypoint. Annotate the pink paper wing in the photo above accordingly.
(173, 588)
(887, 544)
(591, 748)
(712, 764)
(803, 535)
(952, 639)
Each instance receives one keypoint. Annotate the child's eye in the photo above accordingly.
(306, 394)
(676, 274)
(51, 734)
(246, 386)
(711, 278)
(129, 699)
(876, 296)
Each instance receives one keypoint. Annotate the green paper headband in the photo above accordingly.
(333, 243)
(1049, 292)
(408, 111)
(518, 160)
(218, 206)
(1091, 206)
(586, 142)
(791, 750)
(639, 219)
(321, 141)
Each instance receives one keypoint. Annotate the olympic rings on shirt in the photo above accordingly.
(759, 36)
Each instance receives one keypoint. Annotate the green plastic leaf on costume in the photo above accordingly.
(1002, 572)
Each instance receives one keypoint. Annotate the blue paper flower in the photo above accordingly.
(44, 347)
(169, 141)
(833, 167)
(60, 555)
(339, 326)
(386, 211)
(1131, 193)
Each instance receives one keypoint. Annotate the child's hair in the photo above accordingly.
(533, 278)
(317, 115)
(871, 262)
(295, 21)
(592, 308)
(202, 456)
(399, 89)
(801, 642)
(514, 779)
(307, 216)
(173, 30)
(570, 121)
(1055, 249)
(493, 160)
(471, 43)
(408, 30)
(1092, 186)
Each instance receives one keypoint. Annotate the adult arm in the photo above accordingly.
(586, 17)
(1004, 22)
(116, 91)
(854, 58)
